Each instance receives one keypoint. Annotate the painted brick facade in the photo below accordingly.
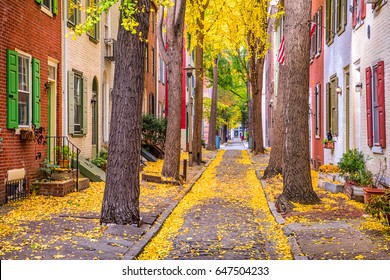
(26, 27)
(371, 44)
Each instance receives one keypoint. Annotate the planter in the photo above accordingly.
(27, 134)
(63, 163)
(369, 192)
(56, 188)
(61, 175)
(354, 191)
(334, 188)
(329, 145)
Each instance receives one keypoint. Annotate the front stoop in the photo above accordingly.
(61, 188)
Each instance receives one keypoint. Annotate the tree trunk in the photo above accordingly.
(198, 110)
(213, 109)
(121, 194)
(256, 79)
(275, 161)
(174, 60)
(297, 186)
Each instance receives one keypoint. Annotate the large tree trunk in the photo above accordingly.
(173, 57)
(256, 79)
(121, 194)
(213, 109)
(198, 110)
(276, 160)
(297, 186)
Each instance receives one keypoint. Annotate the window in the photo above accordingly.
(74, 14)
(375, 105)
(317, 108)
(49, 5)
(378, 4)
(23, 90)
(332, 119)
(341, 16)
(147, 58)
(359, 12)
(330, 22)
(94, 32)
(162, 71)
(153, 64)
(316, 38)
(151, 104)
(78, 118)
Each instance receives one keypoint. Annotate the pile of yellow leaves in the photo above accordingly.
(329, 168)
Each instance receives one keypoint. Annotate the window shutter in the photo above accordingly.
(85, 106)
(369, 105)
(319, 29)
(354, 14)
(12, 89)
(345, 9)
(362, 9)
(327, 15)
(36, 92)
(71, 102)
(332, 20)
(336, 109)
(381, 104)
(328, 112)
(55, 7)
(38, 1)
(338, 19)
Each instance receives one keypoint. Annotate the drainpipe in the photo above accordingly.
(64, 71)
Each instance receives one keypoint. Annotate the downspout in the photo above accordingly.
(64, 71)
(157, 78)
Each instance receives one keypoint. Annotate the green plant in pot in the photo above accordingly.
(379, 207)
(353, 167)
(48, 168)
(64, 155)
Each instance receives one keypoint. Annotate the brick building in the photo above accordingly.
(30, 83)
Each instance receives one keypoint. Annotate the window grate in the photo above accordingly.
(16, 190)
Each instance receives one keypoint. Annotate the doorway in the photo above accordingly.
(52, 110)
(95, 118)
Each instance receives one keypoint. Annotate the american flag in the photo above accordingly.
(312, 28)
(281, 52)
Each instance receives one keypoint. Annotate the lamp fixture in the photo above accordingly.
(47, 85)
(339, 90)
(358, 87)
(189, 70)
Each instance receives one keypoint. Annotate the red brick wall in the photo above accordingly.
(24, 27)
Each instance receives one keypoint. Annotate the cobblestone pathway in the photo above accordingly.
(221, 218)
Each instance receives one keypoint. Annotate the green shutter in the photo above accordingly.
(38, 1)
(71, 102)
(85, 106)
(36, 92)
(55, 7)
(12, 89)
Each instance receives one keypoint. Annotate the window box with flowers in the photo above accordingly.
(328, 144)
(27, 134)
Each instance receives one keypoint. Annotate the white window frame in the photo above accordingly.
(27, 56)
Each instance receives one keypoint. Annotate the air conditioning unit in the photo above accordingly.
(372, 1)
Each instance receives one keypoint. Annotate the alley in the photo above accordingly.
(224, 216)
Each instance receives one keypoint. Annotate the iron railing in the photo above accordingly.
(64, 153)
(16, 189)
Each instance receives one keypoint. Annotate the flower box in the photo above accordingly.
(26, 134)
(329, 145)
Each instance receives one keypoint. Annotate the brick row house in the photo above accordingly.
(30, 83)
(349, 55)
(61, 85)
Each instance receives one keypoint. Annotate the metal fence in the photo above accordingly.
(16, 189)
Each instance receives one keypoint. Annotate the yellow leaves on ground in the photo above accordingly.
(329, 168)
(161, 245)
(206, 188)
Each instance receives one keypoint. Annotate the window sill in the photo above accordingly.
(46, 11)
(93, 39)
(75, 135)
(377, 150)
(340, 31)
(359, 24)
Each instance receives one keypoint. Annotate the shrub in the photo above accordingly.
(353, 166)
(153, 130)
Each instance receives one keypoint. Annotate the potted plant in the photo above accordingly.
(63, 156)
(379, 185)
(379, 207)
(328, 144)
(353, 167)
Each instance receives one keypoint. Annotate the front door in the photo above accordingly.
(52, 128)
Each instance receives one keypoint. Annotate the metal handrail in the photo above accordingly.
(65, 150)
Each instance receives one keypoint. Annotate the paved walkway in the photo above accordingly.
(222, 217)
